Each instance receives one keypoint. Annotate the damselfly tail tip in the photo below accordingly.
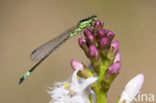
(21, 80)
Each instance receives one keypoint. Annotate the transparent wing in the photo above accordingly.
(50, 46)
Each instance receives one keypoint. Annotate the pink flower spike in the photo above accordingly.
(114, 68)
(76, 65)
(117, 57)
(93, 51)
(103, 42)
(115, 45)
(81, 40)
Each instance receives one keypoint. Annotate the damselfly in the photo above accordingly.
(44, 50)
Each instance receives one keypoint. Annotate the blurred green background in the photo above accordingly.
(26, 24)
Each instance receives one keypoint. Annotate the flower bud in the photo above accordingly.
(103, 42)
(98, 25)
(115, 45)
(110, 35)
(86, 32)
(83, 71)
(117, 57)
(101, 33)
(90, 38)
(83, 45)
(93, 51)
(114, 68)
(81, 41)
(76, 65)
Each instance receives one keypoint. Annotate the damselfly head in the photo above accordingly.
(94, 17)
(90, 19)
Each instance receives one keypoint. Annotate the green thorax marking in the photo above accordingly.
(85, 24)
(26, 75)
(75, 32)
(81, 26)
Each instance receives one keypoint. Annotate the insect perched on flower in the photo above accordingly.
(89, 84)
(46, 49)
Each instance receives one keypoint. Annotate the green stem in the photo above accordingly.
(90, 99)
(104, 96)
(101, 97)
(103, 67)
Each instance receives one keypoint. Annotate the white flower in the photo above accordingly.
(72, 91)
(132, 89)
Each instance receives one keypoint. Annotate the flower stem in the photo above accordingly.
(101, 96)
(90, 99)
(104, 98)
